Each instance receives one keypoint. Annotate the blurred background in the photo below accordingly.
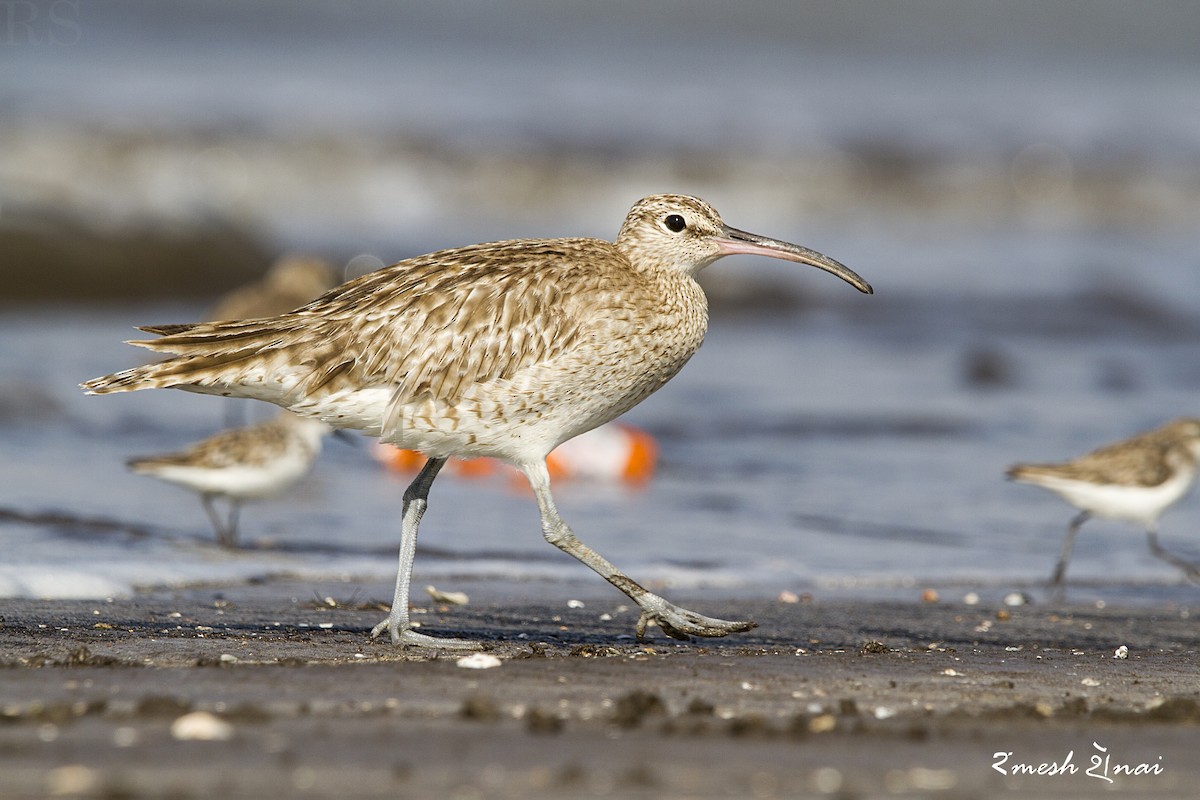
(1019, 181)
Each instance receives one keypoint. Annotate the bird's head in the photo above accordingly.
(679, 232)
(1186, 431)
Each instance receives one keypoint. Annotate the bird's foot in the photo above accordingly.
(1191, 571)
(401, 633)
(679, 623)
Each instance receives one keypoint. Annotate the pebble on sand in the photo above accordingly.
(201, 726)
(478, 661)
(448, 598)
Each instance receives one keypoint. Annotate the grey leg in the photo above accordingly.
(225, 530)
(676, 622)
(231, 529)
(398, 625)
(1060, 569)
(1191, 570)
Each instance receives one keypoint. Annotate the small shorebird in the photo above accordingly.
(291, 282)
(1133, 480)
(240, 464)
(504, 350)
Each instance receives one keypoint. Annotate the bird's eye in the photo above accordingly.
(674, 223)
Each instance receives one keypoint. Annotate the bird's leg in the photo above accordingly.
(231, 529)
(1055, 586)
(676, 622)
(397, 624)
(219, 525)
(1191, 570)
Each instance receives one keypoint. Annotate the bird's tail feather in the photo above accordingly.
(1029, 472)
(208, 357)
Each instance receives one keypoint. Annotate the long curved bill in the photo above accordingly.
(732, 241)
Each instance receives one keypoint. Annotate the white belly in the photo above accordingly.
(238, 481)
(520, 420)
(1140, 504)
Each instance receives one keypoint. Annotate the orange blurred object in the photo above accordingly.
(612, 452)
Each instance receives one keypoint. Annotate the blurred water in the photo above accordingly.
(818, 451)
(1020, 182)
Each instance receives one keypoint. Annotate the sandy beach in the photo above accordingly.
(846, 699)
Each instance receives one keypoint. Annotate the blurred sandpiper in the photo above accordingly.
(1133, 480)
(239, 464)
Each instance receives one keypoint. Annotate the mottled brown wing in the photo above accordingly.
(254, 444)
(435, 325)
(429, 327)
(1138, 460)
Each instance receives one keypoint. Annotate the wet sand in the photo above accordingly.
(847, 699)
